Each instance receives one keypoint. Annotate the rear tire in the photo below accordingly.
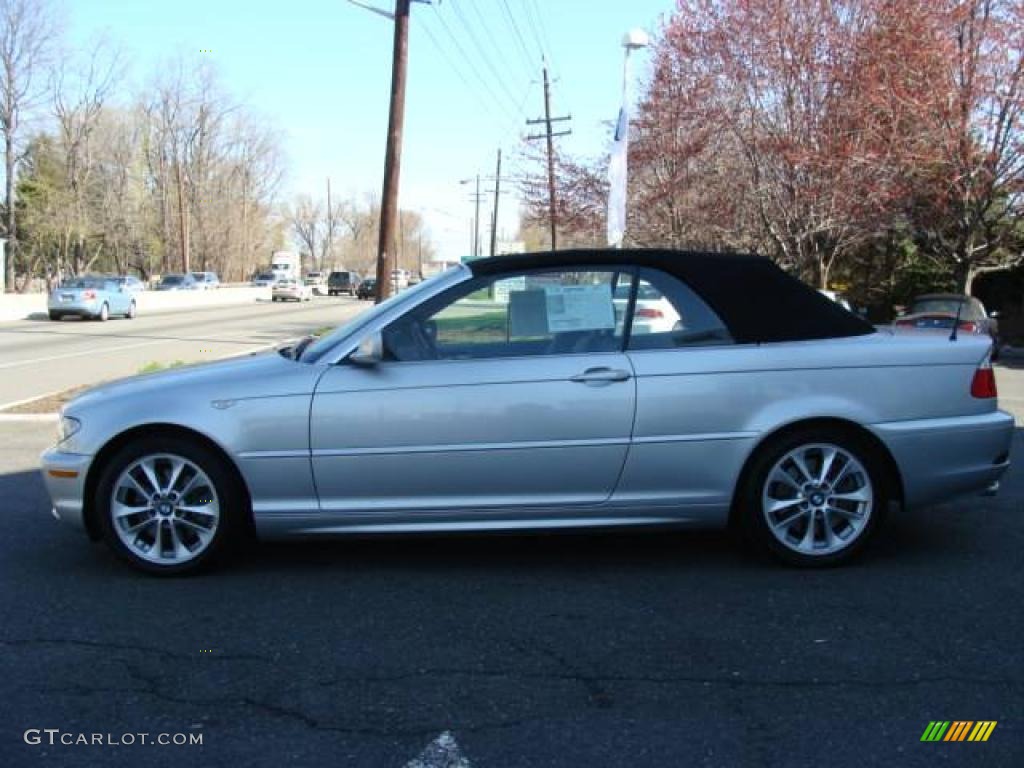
(814, 498)
(203, 505)
(56, 316)
(104, 314)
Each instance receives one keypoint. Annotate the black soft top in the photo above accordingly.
(756, 300)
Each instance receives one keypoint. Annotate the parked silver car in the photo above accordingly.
(177, 283)
(506, 395)
(205, 281)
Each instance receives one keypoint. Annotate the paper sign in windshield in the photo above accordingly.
(579, 308)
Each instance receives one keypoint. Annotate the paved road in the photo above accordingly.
(38, 356)
(644, 650)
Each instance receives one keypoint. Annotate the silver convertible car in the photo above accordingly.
(528, 393)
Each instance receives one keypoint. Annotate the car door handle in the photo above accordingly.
(600, 376)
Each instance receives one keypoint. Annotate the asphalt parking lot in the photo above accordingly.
(599, 650)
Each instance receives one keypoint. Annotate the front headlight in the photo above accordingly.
(66, 427)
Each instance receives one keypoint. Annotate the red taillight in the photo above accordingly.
(88, 294)
(969, 327)
(983, 385)
(649, 313)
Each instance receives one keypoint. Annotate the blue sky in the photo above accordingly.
(319, 71)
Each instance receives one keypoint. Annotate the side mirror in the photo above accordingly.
(369, 352)
(430, 330)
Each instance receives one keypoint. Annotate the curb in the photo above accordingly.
(26, 401)
(27, 418)
(8, 418)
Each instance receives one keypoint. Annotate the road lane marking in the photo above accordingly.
(80, 353)
(442, 752)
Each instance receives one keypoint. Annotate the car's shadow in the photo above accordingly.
(946, 532)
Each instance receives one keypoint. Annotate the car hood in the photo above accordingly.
(266, 374)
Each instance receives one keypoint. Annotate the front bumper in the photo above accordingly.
(941, 458)
(64, 476)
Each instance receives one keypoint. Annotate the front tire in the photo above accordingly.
(56, 316)
(131, 311)
(168, 506)
(814, 498)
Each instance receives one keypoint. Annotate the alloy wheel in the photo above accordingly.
(164, 508)
(817, 499)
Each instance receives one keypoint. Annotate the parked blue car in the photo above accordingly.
(94, 297)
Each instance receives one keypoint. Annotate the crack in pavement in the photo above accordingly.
(572, 673)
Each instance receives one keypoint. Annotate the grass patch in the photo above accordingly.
(480, 328)
(48, 403)
(154, 366)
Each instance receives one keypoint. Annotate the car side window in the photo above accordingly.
(669, 315)
(531, 313)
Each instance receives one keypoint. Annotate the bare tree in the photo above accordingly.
(81, 87)
(305, 217)
(27, 33)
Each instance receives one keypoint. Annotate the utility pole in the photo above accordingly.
(474, 240)
(547, 120)
(393, 154)
(386, 243)
(476, 219)
(497, 196)
(330, 230)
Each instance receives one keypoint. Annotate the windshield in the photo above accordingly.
(937, 306)
(83, 282)
(322, 346)
(172, 280)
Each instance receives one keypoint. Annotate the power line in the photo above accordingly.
(470, 62)
(474, 90)
(518, 35)
(495, 45)
(498, 77)
(544, 34)
(531, 22)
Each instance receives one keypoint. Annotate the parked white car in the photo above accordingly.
(291, 290)
(318, 282)
(653, 312)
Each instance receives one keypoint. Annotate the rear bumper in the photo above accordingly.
(941, 458)
(64, 477)
(80, 308)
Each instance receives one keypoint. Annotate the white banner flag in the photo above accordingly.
(617, 178)
(618, 169)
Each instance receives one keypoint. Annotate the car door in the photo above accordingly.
(503, 392)
(117, 296)
(694, 389)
